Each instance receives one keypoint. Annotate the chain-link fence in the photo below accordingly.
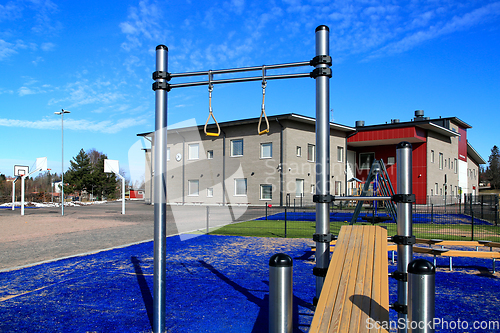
(475, 218)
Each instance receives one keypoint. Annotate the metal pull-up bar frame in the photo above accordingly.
(322, 73)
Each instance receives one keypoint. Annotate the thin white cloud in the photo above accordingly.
(143, 22)
(47, 46)
(456, 23)
(105, 126)
(11, 10)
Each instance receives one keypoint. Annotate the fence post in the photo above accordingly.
(482, 206)
(421, 295)
(496, 210)
(472, 219)
(432, 213)
(280, 293)
(266, 211)
(285, 222)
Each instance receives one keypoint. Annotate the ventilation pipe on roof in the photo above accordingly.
(360, 123)
(394, 121)
(419, 115)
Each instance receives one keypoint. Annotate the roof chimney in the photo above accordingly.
(360, 123)
(394, 121)
(419, 114)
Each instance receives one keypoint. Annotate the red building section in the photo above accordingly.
(382, 143)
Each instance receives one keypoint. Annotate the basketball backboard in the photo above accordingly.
(21, 170)
(41, 163)
(111, 166)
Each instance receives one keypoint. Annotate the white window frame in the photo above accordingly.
(210, 192)
(455, 165)
(210, 154)
(262, 150)
(262, 186)
(298, 151)
(232, 147)
(340, 154)
(236, 194)
(391, 160)
(441, 161)
(193, 151)
(193, 194)
(311, 156)
(299, 188)
(432, 156)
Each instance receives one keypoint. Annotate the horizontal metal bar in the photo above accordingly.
(242, 79)
(242, 69)
(363, 198)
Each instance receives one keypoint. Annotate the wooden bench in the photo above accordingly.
(356, 288)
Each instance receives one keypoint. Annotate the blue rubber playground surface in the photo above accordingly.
(342, 217)
(214, 284)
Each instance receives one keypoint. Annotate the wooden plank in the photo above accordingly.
(363, 286)
(357, 279)
(355, 276)
(324, 309)
(384, 275)
(347, 272)
(375, 311)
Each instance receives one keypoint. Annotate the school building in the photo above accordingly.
(241, 167)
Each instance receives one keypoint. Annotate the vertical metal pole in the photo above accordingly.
(13, 193)
(280, 293)
(160, 194)
(22, 195)
(322, 158)
(404, 226)
(123, 195)
(62, 162)
(422, 291)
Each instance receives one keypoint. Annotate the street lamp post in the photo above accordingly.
(62, 112)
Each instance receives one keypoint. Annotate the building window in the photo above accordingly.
(441, 161)
(168, 154)
(299, 188)
(436, 188)
(266, 150)
(340, 154)
(240, 186)
(313, 188)
(311, 153)
(338, 187)
(432, 156)
(210, 192)
(391, 160)
(210, 154)
(366, 160)
(449, 163)
(266, 192)
(194, 151)
(455, 165)
(299, 151)
(194, 188)
(237, 147)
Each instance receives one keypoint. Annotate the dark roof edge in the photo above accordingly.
(287, 116)
(474, 154)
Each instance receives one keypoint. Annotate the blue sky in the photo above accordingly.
(95, 58)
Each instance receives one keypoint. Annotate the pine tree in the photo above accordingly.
(493, 170)
(79, 174)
